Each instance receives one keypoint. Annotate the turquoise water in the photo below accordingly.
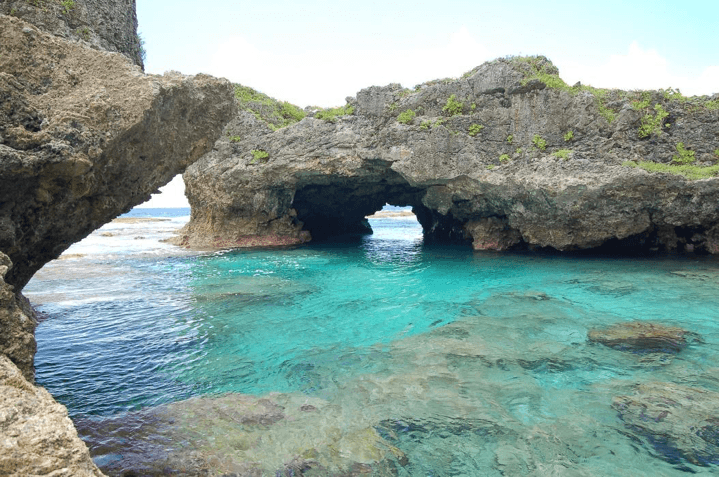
(467, 363)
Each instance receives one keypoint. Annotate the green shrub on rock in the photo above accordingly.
(562, 154)
(685, 156)
(653, 124)
(475, 129)
(259, 155)
(539, 143)
(453, 107)
(331, 114)
(406, 117)
(689, 171)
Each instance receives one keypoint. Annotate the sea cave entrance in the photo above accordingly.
(342, 207)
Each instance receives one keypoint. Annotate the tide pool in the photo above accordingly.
(376, 354)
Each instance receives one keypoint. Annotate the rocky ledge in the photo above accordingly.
(85, 136)
(508, 155)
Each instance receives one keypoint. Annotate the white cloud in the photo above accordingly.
(327, 77)
(641, 69)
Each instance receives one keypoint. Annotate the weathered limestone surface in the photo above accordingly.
(17, 325)
(495, 186)
(109, 25)
(36, 435)
(85, 136)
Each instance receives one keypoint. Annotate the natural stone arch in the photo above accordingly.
(502, 156)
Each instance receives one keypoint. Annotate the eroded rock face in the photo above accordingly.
(85, 136)
(109, 25)
(496, 157)
(17, 325)
(38, 437)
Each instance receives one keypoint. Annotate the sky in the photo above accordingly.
(318, 52)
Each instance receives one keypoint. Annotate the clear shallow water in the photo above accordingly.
(467, 363)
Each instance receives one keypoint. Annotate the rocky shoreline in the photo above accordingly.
(506, 156)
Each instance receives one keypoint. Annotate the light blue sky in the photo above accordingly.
(319, 52)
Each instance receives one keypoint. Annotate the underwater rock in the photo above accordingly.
(642, 336)
(237, 434)
(680, 422)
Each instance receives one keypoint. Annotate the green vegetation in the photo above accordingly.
(518, 151)
(84, 33)
(653, 124)
(474, 129)
(275, 114)
(438, 122)
(712, 105)
(425, 125)
(453, 106)
(716, 152)
(685, 156)
(541, 69)
(235, 138)
(331, 114)
(504, 158)
(259, 155)
(644, 102)
(562, 154)
(569, 136)
(406, 117)
(539, 143)
(490, 167)
(687, 170)
(473, 107)
(510, 138)
(67, 5)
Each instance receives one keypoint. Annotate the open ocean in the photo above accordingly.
(404, 358)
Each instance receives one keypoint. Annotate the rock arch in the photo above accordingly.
(508, 154)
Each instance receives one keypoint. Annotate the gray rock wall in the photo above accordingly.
(103, 24)
(506, 155)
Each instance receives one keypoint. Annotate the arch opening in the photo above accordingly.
(342, 207)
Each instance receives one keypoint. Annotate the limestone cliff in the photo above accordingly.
(85, 136)
(109, 25)
(506, 155)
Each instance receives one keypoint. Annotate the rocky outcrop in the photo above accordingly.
(85, 136)
(109, 25)
(506, 155)
(38, 437)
